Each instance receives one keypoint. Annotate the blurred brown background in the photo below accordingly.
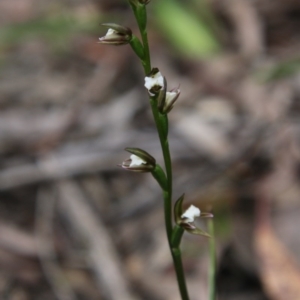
(75, 226)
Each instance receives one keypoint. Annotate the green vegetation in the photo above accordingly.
(191, 34)
(56, 30)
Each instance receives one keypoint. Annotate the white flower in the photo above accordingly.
(136, 161)
(154, 80)
(190, 214)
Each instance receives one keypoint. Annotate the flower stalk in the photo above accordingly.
(161, 122)
(212, 262)
(161, 102)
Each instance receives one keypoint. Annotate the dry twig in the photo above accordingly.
(102, 254)
(45, 208)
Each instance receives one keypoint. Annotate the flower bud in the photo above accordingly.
(116, 35)
(139, 161)
(171, 98)
(154, 82)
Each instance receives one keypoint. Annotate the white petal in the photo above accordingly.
(136, 161)
(156, 79)
(190, 214)
(170, 96)
(159, 78)
(110, 32)
(149, 82)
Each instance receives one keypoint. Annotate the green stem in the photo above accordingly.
(167, 159)
(161, 122)
(176, 236)
(147, 60)
(176, 254)
(212, 261)
(140, 13)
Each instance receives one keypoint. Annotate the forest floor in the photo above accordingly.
(75, 226)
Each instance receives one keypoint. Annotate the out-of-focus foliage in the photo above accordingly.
(55, 29)
(190, 33)
(281, 70)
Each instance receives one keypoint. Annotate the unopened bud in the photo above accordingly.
(171, 98)
(139, 161)
(116, 35)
